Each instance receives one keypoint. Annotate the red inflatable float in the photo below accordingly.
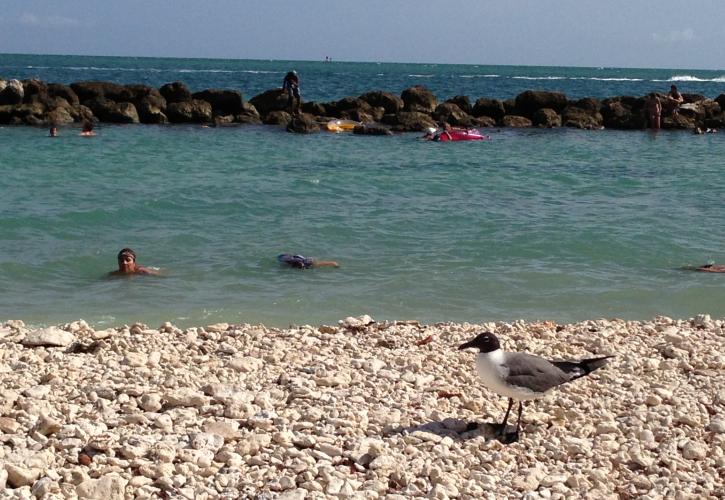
(454, 134)
(458, 134)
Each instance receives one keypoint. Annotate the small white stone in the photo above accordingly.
(50, 337)
(21, 476)
(693, 450)
(246, 364)
(653, 400)
(717, 425)
(108, 487)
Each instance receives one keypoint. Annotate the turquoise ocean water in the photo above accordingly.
(534, 224)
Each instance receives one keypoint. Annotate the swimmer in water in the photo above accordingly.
(127, 265)
(302, 262)
(87, 129)
(711, 268)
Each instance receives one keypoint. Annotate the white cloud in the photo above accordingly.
(32, 20)
(675, 36)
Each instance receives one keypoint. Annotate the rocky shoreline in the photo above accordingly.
(361, 409)
(37, 103)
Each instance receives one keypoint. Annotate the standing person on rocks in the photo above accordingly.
(127, 265)
(291, 84)
(653, 111)
(674, 99)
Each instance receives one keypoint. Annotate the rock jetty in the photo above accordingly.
(361, 409)
(33, 102)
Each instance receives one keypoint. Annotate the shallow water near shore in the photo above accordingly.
(534, 224)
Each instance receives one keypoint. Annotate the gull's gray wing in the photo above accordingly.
(532, 372)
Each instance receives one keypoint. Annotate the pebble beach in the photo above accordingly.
(359, 409)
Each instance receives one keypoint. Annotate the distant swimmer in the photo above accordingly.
(53, 132)
(127, 265)
(302, 262)
(87, 129)
(711, 268)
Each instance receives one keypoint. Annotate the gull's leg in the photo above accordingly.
(506, 417)
(518, 422)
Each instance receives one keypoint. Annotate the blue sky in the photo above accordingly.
(665, 34)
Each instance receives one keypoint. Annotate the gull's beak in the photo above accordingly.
(466, 345)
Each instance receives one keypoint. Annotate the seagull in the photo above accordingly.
(521, 376)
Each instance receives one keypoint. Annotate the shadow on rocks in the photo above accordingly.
(459, 430)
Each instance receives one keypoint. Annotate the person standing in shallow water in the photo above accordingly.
(127, 265)
(291, 84)
(653, 110)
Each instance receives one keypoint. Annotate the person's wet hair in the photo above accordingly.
(127, 251)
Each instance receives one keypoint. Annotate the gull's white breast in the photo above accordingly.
(493, 372)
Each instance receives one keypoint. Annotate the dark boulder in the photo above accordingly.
(509, 105)
(61, 111)
(12, 93)
(138, 93)
(175, 92)
(371, 130)
(530, 101)
(717, 121)
(358, 116)
(24, 114)
(721, 101)
(347, 105)
(150, 104)
(450, 113)
(516, 121)
(589, 104)
(270, 100)
(386, 100)
(194, 111)
(248, 114)
(694, 110)
(484, 121)
(85, 114)
(576, 117)
(89, 90)
(463, 102)
(493, 108)
(711, 108)
(151, 109)
(248, 119)
(303, 124)
(419, 99)
(622, 113)
(61, 115)
(690, 98)
(678, 121)
(63, 91)
(35, 91)
(409, 121)
(546, 118)
(314, 108)
(277, 118)
(110, 111)
(6, 114)
(223, 102)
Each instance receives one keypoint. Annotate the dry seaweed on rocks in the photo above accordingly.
(355, 410)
